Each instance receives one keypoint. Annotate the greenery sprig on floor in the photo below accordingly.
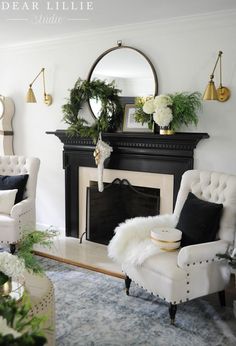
(111, 109)
(26, 251)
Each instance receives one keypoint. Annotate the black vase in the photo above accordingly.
(155, 128)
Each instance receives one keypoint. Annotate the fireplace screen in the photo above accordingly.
(118, 202)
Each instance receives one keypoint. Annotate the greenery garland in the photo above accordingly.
(111, 109)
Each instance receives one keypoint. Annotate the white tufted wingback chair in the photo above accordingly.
(22, 215)
(195, 270)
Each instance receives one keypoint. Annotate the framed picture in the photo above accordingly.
(129, 122)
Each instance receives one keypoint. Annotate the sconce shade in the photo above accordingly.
(30, 97)
(210, 92)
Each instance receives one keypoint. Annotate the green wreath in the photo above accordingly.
(111, 109)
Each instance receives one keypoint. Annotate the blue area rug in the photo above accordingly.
(93, 309)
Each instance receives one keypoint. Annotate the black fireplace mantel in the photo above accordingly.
(141, 152)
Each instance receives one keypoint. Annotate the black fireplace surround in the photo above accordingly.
(141, 152)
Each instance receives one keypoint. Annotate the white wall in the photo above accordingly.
(183, 53)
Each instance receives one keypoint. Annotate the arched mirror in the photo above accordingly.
(131, 70)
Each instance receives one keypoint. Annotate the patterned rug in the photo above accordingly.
(92, 309)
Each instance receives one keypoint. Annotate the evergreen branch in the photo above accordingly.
(26, 244)
(110, 113)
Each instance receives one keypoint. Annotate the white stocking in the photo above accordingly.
(101, 153)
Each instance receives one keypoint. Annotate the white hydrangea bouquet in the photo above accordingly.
(168, 111)
(11, 266)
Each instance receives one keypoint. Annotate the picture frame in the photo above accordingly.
(129, 123)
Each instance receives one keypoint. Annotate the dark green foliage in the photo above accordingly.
(184, 109)
(111, 109)
(26, 244)
(17, 317)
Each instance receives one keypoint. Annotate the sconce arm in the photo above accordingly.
(42, 71)
(216, 63)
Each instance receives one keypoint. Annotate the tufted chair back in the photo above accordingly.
(15, 165)
(212, 187)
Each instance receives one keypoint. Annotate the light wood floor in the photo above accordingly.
(87, 255)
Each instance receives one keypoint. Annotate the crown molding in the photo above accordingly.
(196, 20)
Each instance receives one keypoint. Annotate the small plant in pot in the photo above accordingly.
(169, 111)
(230, 257)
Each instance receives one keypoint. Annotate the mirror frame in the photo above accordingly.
(3, 106)
(120, 46)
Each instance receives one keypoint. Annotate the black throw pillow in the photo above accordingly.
(10, 182)
(199, 220)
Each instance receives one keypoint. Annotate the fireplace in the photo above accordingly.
(163, 183)
(119, 201)
(135, 153)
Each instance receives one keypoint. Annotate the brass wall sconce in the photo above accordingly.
(30, 97)
(222, 93)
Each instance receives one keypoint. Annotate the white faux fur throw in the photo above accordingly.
(132, 243)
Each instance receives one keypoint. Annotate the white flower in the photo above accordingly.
(11, 265)
(163, 116)
(5, 330)
(162, 101)
(149, 106)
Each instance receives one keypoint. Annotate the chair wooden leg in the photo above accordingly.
(172, 312)
(127, 284)
(221, 295)
(12, 248)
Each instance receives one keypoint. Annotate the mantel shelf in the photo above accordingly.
(180, 144)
